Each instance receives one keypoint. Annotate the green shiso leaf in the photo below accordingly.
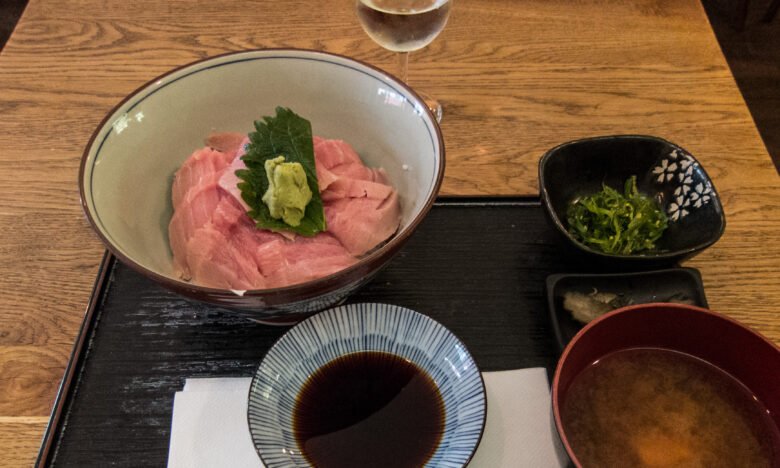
(617, 223)
(289, 135)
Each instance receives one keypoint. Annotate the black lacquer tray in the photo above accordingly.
(477, 265)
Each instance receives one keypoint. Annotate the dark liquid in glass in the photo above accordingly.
(369, 409)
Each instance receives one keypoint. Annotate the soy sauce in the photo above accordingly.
(369, 409)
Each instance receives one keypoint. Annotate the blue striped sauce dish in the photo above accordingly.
(343, 331)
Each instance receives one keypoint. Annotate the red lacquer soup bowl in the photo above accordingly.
(733, 348)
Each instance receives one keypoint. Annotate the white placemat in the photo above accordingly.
(210, 428)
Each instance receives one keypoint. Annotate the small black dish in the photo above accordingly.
(663, 171)
(639, 288)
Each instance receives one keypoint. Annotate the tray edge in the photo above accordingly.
(66, 391)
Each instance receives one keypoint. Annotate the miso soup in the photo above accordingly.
(657, 408)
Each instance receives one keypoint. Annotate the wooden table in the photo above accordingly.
(515, 78)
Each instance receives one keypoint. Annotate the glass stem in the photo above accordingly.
(403, 65)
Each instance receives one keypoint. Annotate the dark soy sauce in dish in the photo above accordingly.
(369, 409)
(648, 407)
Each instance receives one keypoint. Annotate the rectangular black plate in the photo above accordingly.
(478, 266)
(639, 288)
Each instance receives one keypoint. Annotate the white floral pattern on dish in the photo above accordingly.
(688, 195)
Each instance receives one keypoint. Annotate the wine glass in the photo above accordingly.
(403, 26)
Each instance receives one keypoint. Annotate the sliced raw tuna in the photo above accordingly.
(216, 244)
(361, 224)
(338, 158)
(325, 176)
(356, 188)
(226, 142)
(333, 153)
(204, 167)
(229, 181)
(215, 262)
(189, 216)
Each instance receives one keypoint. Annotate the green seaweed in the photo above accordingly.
(617, 223)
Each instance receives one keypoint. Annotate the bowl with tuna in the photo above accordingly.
(271, 182)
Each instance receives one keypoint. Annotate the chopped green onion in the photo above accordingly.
(617, 223)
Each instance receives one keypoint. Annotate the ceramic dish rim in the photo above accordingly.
(554, 389)
(382, 306)
(552, 281)
(296, 292)
(559, 226)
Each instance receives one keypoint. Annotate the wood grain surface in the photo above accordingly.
(515, 78)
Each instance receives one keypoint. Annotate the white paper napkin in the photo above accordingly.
(210, 426)
(519, 431)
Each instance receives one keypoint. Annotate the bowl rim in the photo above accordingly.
(647, 256)
(291, 293)
(381, 306)
(555, 390)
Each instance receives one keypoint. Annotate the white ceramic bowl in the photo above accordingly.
(354, 328)
(129, 163)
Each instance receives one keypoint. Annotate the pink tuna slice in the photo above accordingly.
(203, 167)
(324, 175)
(338, 158)
(229, 181)
(361, 224)
(355, 188)
(215, 262)
(314, 257)
(226, 142)
(332, 153)
(216, 244)
(187, 218)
